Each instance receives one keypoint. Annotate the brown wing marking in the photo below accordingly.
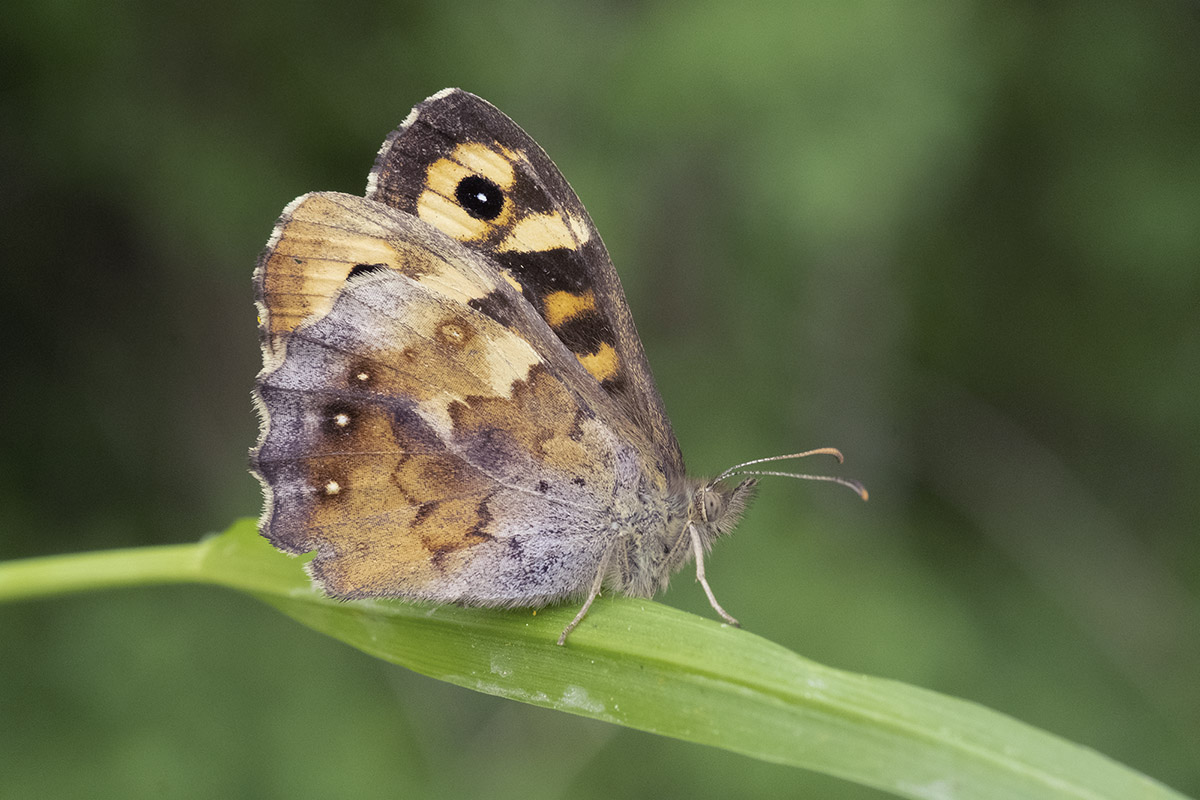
(411, 439)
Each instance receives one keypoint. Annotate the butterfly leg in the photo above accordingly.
(592, 595)
(698, 548)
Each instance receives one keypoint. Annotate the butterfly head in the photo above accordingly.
(717, 506)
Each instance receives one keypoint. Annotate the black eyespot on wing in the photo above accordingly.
(480, 197)
(363, 269)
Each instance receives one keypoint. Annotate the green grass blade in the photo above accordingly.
(647, 666)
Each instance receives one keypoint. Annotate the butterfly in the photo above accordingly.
(455, 403)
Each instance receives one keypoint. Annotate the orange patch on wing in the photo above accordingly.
(562, 306)
(602, 364)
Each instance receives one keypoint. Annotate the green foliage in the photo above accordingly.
(644, 665)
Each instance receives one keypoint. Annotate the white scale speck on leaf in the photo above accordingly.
(577, 697)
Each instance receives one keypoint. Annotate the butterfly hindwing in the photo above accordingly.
(393, 402)
(462, 166)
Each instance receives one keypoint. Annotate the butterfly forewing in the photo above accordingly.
(462, 166)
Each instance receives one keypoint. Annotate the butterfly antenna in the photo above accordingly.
(739, 469)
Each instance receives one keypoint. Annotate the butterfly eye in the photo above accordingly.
(480, 197)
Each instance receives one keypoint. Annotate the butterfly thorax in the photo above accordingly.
(647, 552)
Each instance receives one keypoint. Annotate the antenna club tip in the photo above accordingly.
(854, 486)
(857, 487)
(825, 451)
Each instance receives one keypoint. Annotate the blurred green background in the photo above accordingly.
(961, 241)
